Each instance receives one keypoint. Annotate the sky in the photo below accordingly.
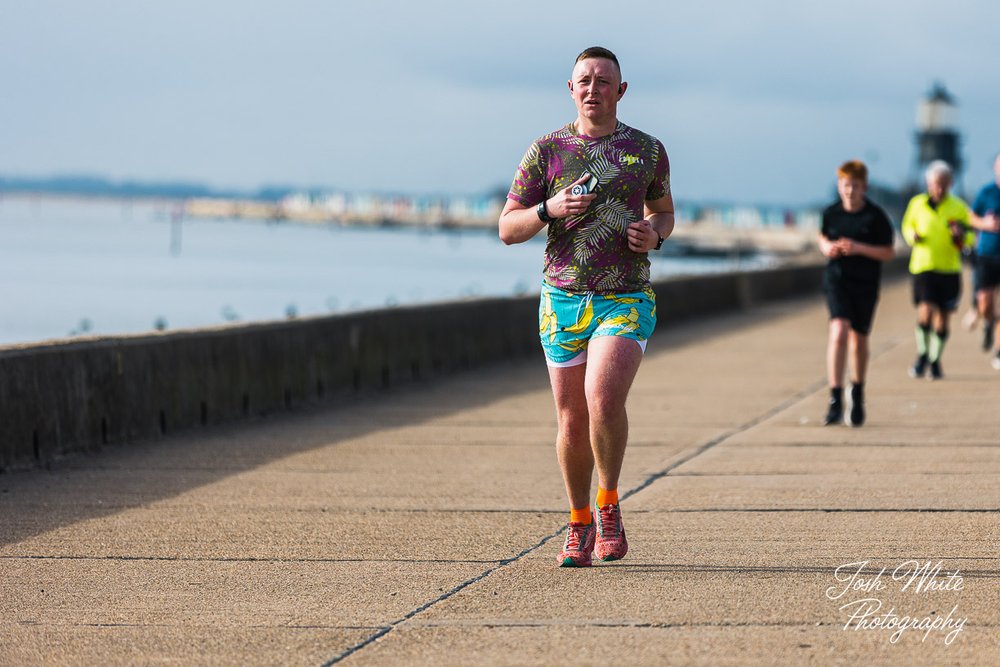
(756, 102)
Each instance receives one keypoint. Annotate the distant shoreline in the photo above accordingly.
(721, 232)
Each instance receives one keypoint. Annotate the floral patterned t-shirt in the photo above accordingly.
(589, 252)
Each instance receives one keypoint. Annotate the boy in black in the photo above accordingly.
(856, 236)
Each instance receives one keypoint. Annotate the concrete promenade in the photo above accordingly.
(421, 526)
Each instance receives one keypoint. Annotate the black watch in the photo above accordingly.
(659, 242)
(543, 213)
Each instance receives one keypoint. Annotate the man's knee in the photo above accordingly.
(573, 418)
(605, 402)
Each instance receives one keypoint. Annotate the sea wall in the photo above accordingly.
(79, 395)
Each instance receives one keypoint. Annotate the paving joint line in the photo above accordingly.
(444, 596)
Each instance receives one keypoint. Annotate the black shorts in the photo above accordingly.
(854, 303)
(940, 289)
(987, 274)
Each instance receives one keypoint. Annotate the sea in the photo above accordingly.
(82, 267)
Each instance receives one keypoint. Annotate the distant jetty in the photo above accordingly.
(364, 210)
(720, 230)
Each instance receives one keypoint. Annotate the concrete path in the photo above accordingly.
(421, 527)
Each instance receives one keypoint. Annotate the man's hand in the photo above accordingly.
(641, 236)
(991, 222)
(563, 204)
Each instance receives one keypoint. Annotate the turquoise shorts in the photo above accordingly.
(567, 321)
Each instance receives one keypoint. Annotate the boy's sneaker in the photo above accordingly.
(970, 319)
(856, 416)
(936, 373)
(919, 366)
(835, 413)
(611, 542)
(579, 545)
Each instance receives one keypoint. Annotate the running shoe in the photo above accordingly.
(970, 319)
(579, 545)
(919, 366)
(611, 542)
(996, 361)
(835, 413)
(856, 416)
(936, 373)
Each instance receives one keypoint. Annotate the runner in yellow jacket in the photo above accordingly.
(936, 225)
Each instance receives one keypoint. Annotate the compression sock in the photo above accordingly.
(581, 516)
(605, 497)
(836, 394)
(922, 333)
(936, 346)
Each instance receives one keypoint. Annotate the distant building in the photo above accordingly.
(937, 136)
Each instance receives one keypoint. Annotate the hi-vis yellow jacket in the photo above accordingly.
(937, 228)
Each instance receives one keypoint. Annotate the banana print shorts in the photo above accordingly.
(567, 321)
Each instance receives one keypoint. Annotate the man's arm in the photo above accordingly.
(981, 213)
(985, 223)
(518, 222)
(643, 235)
(908, 226)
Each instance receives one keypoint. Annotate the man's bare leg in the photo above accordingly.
(612, 364)
(576, 458)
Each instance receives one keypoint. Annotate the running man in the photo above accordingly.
(856, 236)
(601, 190)
(936, 225)
(986, 218)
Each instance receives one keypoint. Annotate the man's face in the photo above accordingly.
(938, 185)
(594, 87)
(851, 191)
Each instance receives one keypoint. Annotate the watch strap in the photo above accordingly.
(543, 212)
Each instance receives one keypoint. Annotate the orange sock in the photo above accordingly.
(605, 497)
(581, 516)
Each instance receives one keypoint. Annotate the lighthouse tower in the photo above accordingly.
(937, 131)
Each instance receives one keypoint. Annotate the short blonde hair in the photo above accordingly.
(853, 169)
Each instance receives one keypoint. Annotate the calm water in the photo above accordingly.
(71, 267)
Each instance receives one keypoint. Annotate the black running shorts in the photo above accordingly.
(987, 272)
(854, 303)
(940, 289)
